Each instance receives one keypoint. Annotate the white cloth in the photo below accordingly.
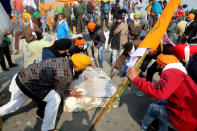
(53, 101)
(30, 3)
(178, 66)
(18, 99)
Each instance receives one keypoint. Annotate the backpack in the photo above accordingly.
(90, 7)
(106, 8)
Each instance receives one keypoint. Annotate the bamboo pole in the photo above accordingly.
(137, 66)
(123, 84)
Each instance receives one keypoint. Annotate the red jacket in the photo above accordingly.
(180, 13)
(18, 5)
(180, 91)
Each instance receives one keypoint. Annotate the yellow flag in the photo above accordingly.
(155, 36)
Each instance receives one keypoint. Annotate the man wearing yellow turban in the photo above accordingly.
(26, 15)
(178, 111)
(47, 81)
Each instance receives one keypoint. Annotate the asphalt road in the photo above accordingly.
(126, 117)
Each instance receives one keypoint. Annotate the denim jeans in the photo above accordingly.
(104, 17)
(157, 112)
(20, 16)
(99, 51)
(125, 67)
(115, 55)
(44, 20)
(91, 16)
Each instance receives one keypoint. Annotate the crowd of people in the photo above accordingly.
(46, 79)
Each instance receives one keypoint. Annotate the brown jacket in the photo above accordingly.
(121, 59)
(123, 29)
(134, 32)
(27, 33)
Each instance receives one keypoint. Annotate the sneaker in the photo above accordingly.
(139, 93)
(13, 65)
(143, 128)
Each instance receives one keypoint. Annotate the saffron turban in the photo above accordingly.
(79, 42)
(26, 15)
(91, 26)
(166, 59)
(191, 16)
(81, 60)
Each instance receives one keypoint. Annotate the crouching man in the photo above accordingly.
(179, 91)
(46, 81)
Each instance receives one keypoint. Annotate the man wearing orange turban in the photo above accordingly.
(179, 91)
(98, 37)
(189, 25)
(78, 46)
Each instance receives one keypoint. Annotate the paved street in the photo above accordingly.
(123, 118)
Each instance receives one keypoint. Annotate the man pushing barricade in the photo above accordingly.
(47, 81)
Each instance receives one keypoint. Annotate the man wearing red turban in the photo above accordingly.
(187, 55)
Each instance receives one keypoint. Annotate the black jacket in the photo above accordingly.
(97, 36)
(192, 38)
(114, 40)
(192, 68)
(115, 9)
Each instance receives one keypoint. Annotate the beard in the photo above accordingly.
(26, 24)
(77, 74)
(136, 23)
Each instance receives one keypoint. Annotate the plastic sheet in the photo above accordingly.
(96, 88)
(94, 82)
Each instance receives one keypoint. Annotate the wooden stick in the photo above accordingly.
(123, 84)
(108, 104)
(136, 66)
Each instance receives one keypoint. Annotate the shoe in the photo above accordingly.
(5, 69)
(2, 96)
(13, 65)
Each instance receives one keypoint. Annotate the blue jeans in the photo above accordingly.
(104, 17)
(91, 16)
(20, 16)
(125, 67)
(99, 51)
(44, 20)
(157, 112)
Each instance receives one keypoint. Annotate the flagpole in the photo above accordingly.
(120, 89)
